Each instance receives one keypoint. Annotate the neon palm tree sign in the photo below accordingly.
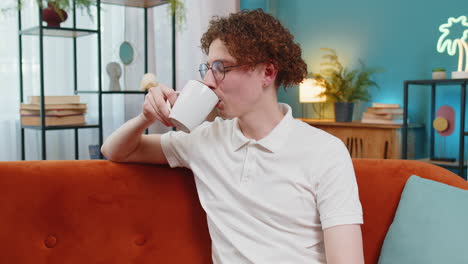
(451, 44)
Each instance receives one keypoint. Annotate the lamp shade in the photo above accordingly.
(310, 90)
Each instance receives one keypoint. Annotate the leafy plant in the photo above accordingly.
(66, 5)
(342, 84)
(176, 8)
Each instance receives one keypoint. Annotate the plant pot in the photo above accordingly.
(439, 75)
(344, 111)
(51, 16)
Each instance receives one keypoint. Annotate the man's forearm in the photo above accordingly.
(343, 244)
(125, 140)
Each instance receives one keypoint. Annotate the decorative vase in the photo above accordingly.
(439, 75)
(114, 71)
(51, 16)
(344, 111)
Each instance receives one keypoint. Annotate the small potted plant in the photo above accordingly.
(343, 86)
(54, 12)
(439, 74)
(176, 8)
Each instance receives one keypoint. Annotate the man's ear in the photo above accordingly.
(270, 73)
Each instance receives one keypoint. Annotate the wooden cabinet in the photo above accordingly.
(376, 141)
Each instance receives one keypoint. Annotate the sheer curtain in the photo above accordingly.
(118, 24)
(188, 46)
(9, 99)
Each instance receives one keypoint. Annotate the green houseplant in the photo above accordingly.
(67, 5)
(439, 73)
(343, 86)
(53, 11)
(56, 10)
(175, 7)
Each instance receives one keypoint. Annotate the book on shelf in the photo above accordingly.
(61, 99)
(384, 116)
(53, 112)
(384, 105)
(380, 110)
(53, 120)
(381, 113)
(382, 121)
(52, 106)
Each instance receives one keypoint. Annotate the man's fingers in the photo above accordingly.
(159, 104)
(155, 106)
(172, 97)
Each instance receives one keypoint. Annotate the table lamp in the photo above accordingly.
(310, 91)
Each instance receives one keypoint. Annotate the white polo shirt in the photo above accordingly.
(268, 201)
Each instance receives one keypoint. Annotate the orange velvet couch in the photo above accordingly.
(104, 212)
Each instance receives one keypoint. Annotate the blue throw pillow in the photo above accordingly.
(430, 225)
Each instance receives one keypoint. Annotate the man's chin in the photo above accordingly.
(223, 114)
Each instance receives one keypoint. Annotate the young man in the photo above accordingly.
(275, 190)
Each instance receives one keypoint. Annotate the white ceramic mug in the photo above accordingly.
(193, 105)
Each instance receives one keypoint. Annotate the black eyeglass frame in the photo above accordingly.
(208, 67)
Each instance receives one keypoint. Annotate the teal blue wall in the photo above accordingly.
(253, 4)
(399, 36)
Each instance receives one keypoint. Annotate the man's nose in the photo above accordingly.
(210, 80)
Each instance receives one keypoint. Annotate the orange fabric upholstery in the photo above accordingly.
(380, 185)
(100, 212)
(103, 212)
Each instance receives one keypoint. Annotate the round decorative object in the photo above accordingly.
(440, 124)
(444, 123)
(51, 16)
(126, 52)
(149, 80)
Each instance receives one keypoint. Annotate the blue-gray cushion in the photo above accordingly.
(430, 225)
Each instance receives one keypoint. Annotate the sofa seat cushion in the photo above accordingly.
(429, 225)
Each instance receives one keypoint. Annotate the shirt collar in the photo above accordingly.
(274, 140)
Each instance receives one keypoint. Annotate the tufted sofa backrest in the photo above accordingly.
(99, 212)
(103, 212)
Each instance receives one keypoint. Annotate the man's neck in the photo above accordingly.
(259, 123)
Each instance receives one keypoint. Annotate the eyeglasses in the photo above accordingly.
(218, 68)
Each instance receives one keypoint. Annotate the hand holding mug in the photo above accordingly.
(190, 107)
(194, 103)
(155, 108)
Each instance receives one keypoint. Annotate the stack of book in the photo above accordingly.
(381, 113)
(59, 111)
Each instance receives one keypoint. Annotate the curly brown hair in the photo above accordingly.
(252, 36)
